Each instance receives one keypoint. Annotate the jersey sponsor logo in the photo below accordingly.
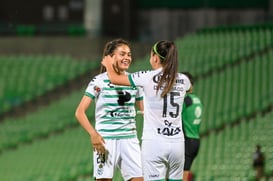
(169, 130)
(178, 88)
(175, 88)
(154, 176)
(160, 88)
(180, 81)
(121, 113)
(157, 78)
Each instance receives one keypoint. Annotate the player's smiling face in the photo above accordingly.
(123, 57)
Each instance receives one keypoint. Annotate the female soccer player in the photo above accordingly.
(114, 137)
(164, 91)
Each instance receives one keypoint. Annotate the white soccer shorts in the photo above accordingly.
(163, 159)
(123, 154)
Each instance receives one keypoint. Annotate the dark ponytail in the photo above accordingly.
(167, 52)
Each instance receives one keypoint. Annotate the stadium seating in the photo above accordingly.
(217, 49)
(25, 77)
(229, 153)
(243, 88)
(233, 70)
(59, 157)
(237, 91)
(17, 131)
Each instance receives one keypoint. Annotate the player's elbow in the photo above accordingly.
(78, 113)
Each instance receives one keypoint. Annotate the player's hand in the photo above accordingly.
(98, 143)
(108, 61)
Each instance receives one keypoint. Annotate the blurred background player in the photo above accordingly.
(114, 138)
(191, 118)
(258, 162)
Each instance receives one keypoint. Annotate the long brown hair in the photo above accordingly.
(110, 47)
(167, 52)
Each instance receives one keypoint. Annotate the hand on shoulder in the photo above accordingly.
(108, 61)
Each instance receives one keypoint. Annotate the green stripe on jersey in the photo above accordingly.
(115, 96)
(116, 130)
(111, 122)
(139, 98)
(120, 88)
(116, 104)
(89, 95)
(114, 118)
(131, 80)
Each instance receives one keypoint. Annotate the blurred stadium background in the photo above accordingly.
(49, 50)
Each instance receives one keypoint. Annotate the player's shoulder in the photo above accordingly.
(101, 76)
(182, 78)
(140, 74)
(185, 77)
(181, 75)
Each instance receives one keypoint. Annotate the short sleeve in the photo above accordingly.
(93, 88)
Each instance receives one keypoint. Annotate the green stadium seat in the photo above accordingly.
(54, 147)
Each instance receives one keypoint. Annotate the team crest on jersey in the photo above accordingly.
(97, 89)
(123, 97)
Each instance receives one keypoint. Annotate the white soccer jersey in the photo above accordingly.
(162, 116)
(115, 107)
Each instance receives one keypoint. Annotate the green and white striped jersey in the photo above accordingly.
(115, 107)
